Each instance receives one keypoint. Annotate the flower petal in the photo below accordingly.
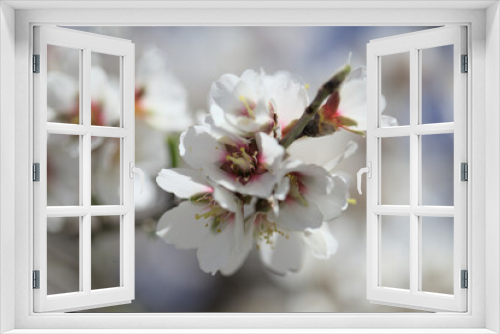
(198, 147)
(271, 151)
(182, 182)
(180, 227)
(349, 149)
(321, 242)
(244, 242)
(298, 217)
(282, 189)
(225, 198)
(221, 90)
(315, 178)
(333, 204)
(260, 185)
(283, 254)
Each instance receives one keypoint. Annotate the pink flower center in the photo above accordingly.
(243, 162)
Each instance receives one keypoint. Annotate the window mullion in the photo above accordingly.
(414, 170)
(85, 176)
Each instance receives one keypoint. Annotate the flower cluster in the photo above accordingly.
(241, 189)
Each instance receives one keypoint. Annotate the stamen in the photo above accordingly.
(245, 103)
(295, 190)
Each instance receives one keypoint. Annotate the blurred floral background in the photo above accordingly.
(175, 67)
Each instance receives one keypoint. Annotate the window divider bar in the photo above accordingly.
(86, 167)
(67, 129)
(392, 210)
(418, 130)
(108, 131)
(81, 130)
(67, 211)
(414, 170)
(395, 131)
(418, 210)
(434, 129)
(86, 253)
(433, 211)
(81, 161)
(109, 210)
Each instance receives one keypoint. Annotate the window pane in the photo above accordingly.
(437, 84)
(106, 158)
(395, 87)
(395, 252)
(395, 170)
(63, 84)
(437, 254)
(106, 245)
(63, 255)
(105, 90)
(63, 171)
(437, 169)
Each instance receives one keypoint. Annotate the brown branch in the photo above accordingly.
(326, 90)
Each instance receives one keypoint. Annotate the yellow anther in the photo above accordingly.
(352, 201)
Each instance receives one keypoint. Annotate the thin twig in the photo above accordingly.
(326, 90)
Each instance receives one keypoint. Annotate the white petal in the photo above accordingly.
(315, 178)
(182, 182)
(261, 185)
(289, 102)
(218, 122)
(271, 151)
(244, 243)
(198, 147)
(221, 91)
(225, 198)
(180, 227)
(248, 124)
(321, 242)
(215, 250)
(350, 148)
(283, 255)
(333, 204)
(282, 189)
(296, 216)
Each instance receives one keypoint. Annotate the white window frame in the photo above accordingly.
(16, 216)
(124, 51)
(413, 44)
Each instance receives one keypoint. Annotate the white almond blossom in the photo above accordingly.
(256, 101)
(242, 165)
(313, 197)
(210, 220)
(243, 189)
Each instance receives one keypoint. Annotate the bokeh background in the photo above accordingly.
(175, 67)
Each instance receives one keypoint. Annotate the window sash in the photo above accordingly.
(413, 43)
(87, 43)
